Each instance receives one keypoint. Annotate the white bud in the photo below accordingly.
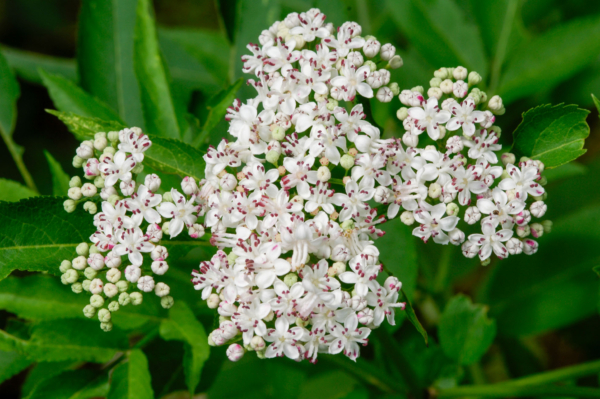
(383, 195)
(435, 92)
(460, 89)
(460, 73)
(79, 263)
(472, 215)
(396, 62)
(447, 86)
(107, 192)
(136, 298)
(523, 231)
(152, 182)
(365, 316)
(371, 48)
(495, 103)
(452, 209)
(65, 265)
(89, 311)
(470, 249)
(435, 190)
(457, 236)
(133, 273)
(110, 290)
(159, 253)
(385, 95)
(213, 301)
(410, 140)
(347, 161)
(96, 261)
(407, 218)
(113, 275)
(375, 80)
(359, 303)
(323, 174)
(235, 352)
(145, 283)
(161, 289)
(228, 182)
(127, 187)
(257, 343)
(538, 209)
(474, 78)
(530, 247)
(336, 269)
(537, 230)
(104, 315)
(96, 286)
(387, 52)
(85, 150)
(189, 186)
(69, 277)
(90, 207)
(455, 144)
(402, 113)
(112, 260)
(522, 218)
(355, 58)
(100, 143)
(196, 230)
(74, 193)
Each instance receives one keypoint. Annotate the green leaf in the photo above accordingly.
(42, 371)
(537, 66)
(165, 155)
(131, 380)
(412, 317)
(216, 110)
(465, 331)
(552, 289)
(331, 384)
(182, 325)
(105, 56)
(443, 23)
(40, 297)
(27, 64)
(157, 102)
(565, 171)
(12, 363)
(12, 191)
(9, 93)
(36, 234)
(72, 384)
(553, 134)
(596, 103)
(80, 340)
(60, 180)
(68, 97)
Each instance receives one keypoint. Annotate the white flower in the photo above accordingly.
(248, 319)
(369, 169)
(119, 169)
(483, 146)
(132, 242)
(284, 340)
(352, 80)
(180, 211)
(280, 55)
(500, 209)
(348, 337)
(142, 205)
(311, 26)
(134, 142)
(353, 203)
(465, 116)
(384, 303)
(346, 40)
(465, 182)
(300, 238)
(362, 275)
(491, 240)
(258, 179)
(433, 224)
(145, 284)
(317, 197)
(522, 181)
(428, 118)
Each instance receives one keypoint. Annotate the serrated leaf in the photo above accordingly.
(40, 297)
(12, 191)
(80, 340)
(412, 317)
(26, 64)
(553, 134)
(537, 65)
(182, 325)
(60, 180)
(68, 97)
(465, 331)
(596, 102)
(36, 234)
(72, 384)
(84, 128)
(42, 371)
(157, 101)
(105, 56)
(442, 22)
(216, 110)
(532, 294)
(12, 363)
(131, 380)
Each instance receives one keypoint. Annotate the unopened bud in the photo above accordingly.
(347, 161)
(474, 78)
(472, 215)
(235, 352)
(290, 279)
(396, 62)
(402, 113)
(137, 298)
(407, 218)
(452, 209)
(272, 157)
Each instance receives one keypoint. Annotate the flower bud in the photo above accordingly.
(469, 249)
(90, 207)
(375, 80)
(371, 48)
(96, 301)
(77, 161)
(235, 352)
(96, 286)
(96, 261)
(112, 260)
(474, 78)
(290, 279)
(410, 140)
(407, 218)
(107, 192)
(80, 263)
(495, 104)
(472, 215)
(447, 86)
(396, 62)
(65, 265)
(323, 174)
(75, 181)
(452, 209)
(85, 150)
(530, 247)
(537, 230)
(384, 94)
(365, 316)
(145, 283)
(372, 66)
(74, 193)
(336, 269)
(137, 298)
(441, 73)
(104, 315)
(272, 157)
(162, 290)
(152, 182)
(189, 186)
(355, 58)
(100, 143)
(402, 113)
(89, 311)
(460, 89)
(457, 236)
(113, 275)
(454, 144)
(257, 343)
(347, 161)
(522, 218)
(70, 276)
(89, 273)
(77, 288)
(435, 92)
(138, 168)
(124, 299)
(387, 51)
(547, 226)
(213, 301)
(85, 284)
(113, 136)
(133, 273)
(127, 187)
(435, 190)
(523, 231)
(358, 303)
(383, 195)
(538, 209)
(159, 253)
(113, 306)
(110, 290)
(459, 73)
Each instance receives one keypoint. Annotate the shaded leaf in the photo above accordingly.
(157, 102)
(27, 64)
(42, 371)
(12, 363)
(60, 180)
(412, 317)
(465, 331)
(72, 384)
(81, 340)
(182, 325)
(105, 56)
(553, 134)
(37, 233)
(9, 93)
(565, 171)
(68, 97)
(537, 65)
(440, 22)
(131, 380)
(596, 102)
(12, 191)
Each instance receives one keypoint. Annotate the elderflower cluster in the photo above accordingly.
(113, 270)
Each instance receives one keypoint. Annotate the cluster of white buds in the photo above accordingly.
(113, 269)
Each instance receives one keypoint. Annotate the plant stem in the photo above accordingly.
(18, 160)
(506, 391)
(563, 374)
(441, 276)
(511, 10)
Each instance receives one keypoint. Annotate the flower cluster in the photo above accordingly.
(112, 270)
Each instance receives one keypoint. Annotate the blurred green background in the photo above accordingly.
(530, 52)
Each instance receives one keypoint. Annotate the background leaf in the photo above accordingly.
(13, 191)
(12, 363)
(105, 56)
(60, 180)
(465, 331)
(131, 380)
(157, 102)
(552, 134)
(27, 64)
(182, 325)
(412, 317)
(72, 384)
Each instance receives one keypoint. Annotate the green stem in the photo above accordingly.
(566, 373)
(18, 160)
(507, 391)
(441, 276)
(511, 10)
